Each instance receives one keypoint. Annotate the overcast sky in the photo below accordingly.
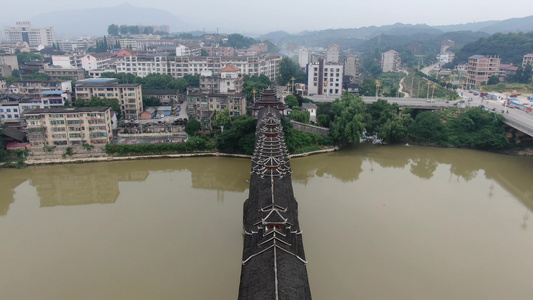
(295, 15)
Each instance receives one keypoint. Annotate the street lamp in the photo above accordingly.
(433, 92)
(254, 91)
(293, 79)
(429, 84)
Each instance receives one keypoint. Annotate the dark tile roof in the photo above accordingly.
(273, 261)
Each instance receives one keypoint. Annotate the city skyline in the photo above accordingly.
(294, 16)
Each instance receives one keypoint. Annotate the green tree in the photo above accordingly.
(477, 129)
(192, 127)
(151, 101)
(291, 101)
(302, 116)
(395, 129)
(100, 102)
(223, 119)
(428, 127)
(239, 138)
(24, 57)
(348, 125)
(113, 30)
(289, 69)
(494, 79)
(239, 41)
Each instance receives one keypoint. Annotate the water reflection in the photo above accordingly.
(90, 183)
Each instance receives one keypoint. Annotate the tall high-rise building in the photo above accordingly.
(390, 61)
(333, 53)
(350, 67)
(324, 78)
(25, 32)
(303, 57)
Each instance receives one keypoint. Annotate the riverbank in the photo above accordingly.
(67, 160)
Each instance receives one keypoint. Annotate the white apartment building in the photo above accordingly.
(129, 95)
(333, 53)
(303, 57)
(390, 61)
(97, 61)
(69, 126)
(25, 32)
(324, 78)
(179, 66)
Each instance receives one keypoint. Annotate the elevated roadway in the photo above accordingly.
(518, 119)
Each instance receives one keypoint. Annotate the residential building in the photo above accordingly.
(312, 109)
(59, 72)
(324, 78)
(446, 57)
(34, 88)
(97, 61)
(9, 112)
(9, 60)
(506, 70)
(129, 96)
(390, 61)
(333, 53)
(219, 51)
(481, 68)
(167, 97)
(218, 91)
(350, 67)
(303, 57)
(203, 106)
(3, 86)
(69, 126)
(25, 32)
(5, 71)
(179, 66)
(528, 59)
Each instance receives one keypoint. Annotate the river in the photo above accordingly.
(379, 222)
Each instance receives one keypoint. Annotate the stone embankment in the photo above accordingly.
(80, 155)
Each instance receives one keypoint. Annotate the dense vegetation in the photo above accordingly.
(510, 47)
(157, 81)
(100, 102)
(350, 119)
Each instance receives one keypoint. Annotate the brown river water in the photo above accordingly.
(379, 222)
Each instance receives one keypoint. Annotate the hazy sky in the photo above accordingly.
(295, 15)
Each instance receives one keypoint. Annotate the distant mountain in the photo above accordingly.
(511, 25)
(94, 22)
(477, 26)
(353, 38)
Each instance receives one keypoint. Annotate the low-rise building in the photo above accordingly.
(69, 126)
(34, 88)
(167, 97)
(62, 73)
(311, 108)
